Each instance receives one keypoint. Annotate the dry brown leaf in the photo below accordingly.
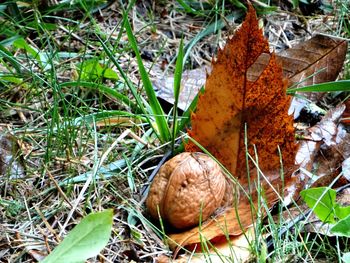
(230, 102)
(346, 114)
(321, 54)
(323, 150)
(252, 90)
(236, 249)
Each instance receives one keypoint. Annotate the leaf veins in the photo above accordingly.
(235, 107)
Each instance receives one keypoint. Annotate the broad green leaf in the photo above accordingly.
(86, 239)
(342, 228)
(322, 201)
(41, 57)
(22, 44)
(9, 41)
(47, 26)
(341, 211)
(11, 79)
(92, 69)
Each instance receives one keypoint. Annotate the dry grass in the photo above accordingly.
(38, 206)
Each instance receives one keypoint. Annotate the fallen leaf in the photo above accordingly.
(324, 147)
(320, 57)
(346, 114)
(10, 161)
(191, 82)
(346, 168)
(235, 248)
(230, 103)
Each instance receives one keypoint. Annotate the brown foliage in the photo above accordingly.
(232, 102)
(321, 57)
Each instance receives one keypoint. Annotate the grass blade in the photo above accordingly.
(341, 85)
(157, 110)
(212, 28)
(177, 86)
(6, 54)
(104, 89)
(185, 118)
(141, 104)
(189, 9)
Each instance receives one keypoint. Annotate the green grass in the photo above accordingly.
(78, 98)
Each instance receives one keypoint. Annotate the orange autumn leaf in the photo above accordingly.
(231, 102)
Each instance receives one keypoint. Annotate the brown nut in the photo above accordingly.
(186, 187)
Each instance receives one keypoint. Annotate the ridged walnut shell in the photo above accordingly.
(187, 186)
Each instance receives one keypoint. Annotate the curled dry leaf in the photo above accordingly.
(188, 187)
(227, 249)
(323, 150)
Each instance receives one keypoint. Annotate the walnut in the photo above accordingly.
(186, 187)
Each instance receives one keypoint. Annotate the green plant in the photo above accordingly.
(322, 201)
(85, 240)
(151, 109)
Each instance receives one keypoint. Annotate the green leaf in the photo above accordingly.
(11, 79)
(238, 4)
(92, 69)
(342, 228)
(41, 57)
(102, 88)
(177, 86)
(6, 54)
(322, 201)
(341, 85)
(47, 26)
(157, 110)
(341, 211)
(22, 44)
(188, 8)
(86, 239)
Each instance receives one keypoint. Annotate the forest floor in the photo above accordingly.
(69, 147)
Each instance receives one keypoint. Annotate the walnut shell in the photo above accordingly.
(187, 186)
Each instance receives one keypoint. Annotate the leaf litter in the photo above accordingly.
(327, 132)
(15, 246)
